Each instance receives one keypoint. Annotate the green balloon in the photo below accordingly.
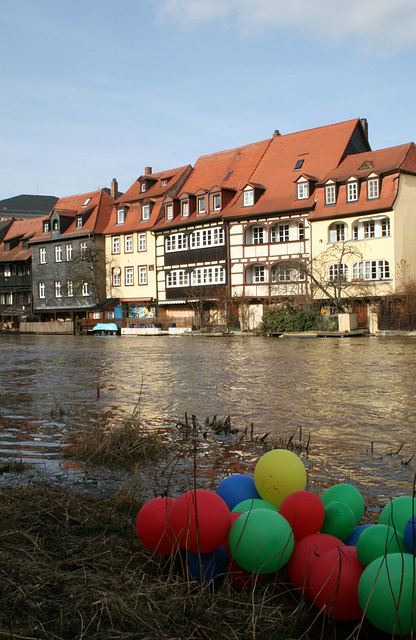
(339, 520)
(397, 512)
(345, 493)
(378, 540)
(387, 593)
(261, 541)
(253, 503)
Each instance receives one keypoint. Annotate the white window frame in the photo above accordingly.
(330, 195)
(84, 289)
(301, 231)
(58, 289)
(58, 253)
(177, 278)
(121, 214)
(208, 275)
(338, 272)
(185, 209)
(352, 191)
(302, 190)
(201, 204)
(142, 275)
(69, 289)
(169, 211)
(141, 242)
(42, 290)
(207, 237)
(116, 277)
(143, 187)
(282, 231)
(259, 273)
(83, 246)
(216, 201)
(128, 243)
(115, 244)
(248, 197)
(68, 252)
(385, 227)
(146, 212)
(42, 255)
(372, 270)
(373, 188)
(129, 276)
(78, 222)
(369, 229)
(176, 242)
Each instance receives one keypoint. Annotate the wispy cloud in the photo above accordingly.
(380, 24)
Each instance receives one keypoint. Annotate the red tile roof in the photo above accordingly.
(386, 163)
(321, 150)
(156, 189)
(19, 230)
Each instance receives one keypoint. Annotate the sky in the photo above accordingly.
(93, 90)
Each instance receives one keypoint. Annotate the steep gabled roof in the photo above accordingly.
(385, 163)
(313, 152)
(156, 189)
(18, 231)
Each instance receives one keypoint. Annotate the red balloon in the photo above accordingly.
(200, 520)
(305, 555)
(334, 583)
(241, 579)
(304, 511)
(152, 525)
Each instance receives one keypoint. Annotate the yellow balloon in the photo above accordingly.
(279, 473)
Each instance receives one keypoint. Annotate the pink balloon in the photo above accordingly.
(305, 555)
(334, 583)
(304, 511)
(200, 520)
(152, 525)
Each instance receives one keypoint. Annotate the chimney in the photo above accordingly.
(364, 125)
(276, 133)
(114, 189)
(148, 171)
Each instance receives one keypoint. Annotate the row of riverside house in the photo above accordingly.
(310, 215)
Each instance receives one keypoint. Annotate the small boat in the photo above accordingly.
(105, 329)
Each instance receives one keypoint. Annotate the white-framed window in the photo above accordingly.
(330, 194)
(176, 242)
(259, 273)
(146, 212)
(338, 272)
(116, 276)
(87, 201)
(201, 204)
(338, 232)
(256, 234)
(371, 270)
(369, 227)
(169, 211)
(121, 214)
(352, 191)
(385, 227)
(248, 197)
(143, 187)
(45, 227)
(301, 231)
(355, 232)
(164, 182)
(69, 289)
(141, 242)
(84, 289)
(142, 275)
(78, 222)
(42, 290)
(128, 276)
(185, 209)
(42, 255)
(58, 289)
(282, 232)
(128, 244)
(216, 200)
(281, 273)
(55, 225)
(209, 237)
(302, 190)
(208, 275)
(372, 188)
(83, 246)
(115, 244)
(58, 254)
(68, 252)
(177, 278)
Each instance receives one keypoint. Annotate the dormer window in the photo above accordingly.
(164, 182)
(185, 208)
(146, 212)
(87, 201)
(45, 227)
(55, 225)
(372, 188)
(201, 204)
(330, 195)
(143, 187)
(248, 197)
(121, 214)
(7, 246)
(302, 190)
(217, 202)
(169, 211)
(78, 222)
(352, 191)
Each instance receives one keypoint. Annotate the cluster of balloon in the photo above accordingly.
(253, 526)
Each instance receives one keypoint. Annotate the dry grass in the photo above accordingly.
(73, 568)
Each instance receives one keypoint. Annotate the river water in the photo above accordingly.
(354, 397)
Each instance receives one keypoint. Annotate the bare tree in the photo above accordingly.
(87, 269)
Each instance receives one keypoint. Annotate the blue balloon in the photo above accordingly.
(352, 540)
(237, 488)
(409, 535)
(210, 566)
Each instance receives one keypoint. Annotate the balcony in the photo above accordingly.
(15, 283)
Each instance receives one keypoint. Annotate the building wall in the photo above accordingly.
(405, 229)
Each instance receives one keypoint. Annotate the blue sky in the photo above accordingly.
(96, 89)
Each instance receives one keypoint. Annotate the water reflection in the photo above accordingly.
(354, 396)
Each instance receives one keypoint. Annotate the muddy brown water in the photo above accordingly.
(354, 397)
